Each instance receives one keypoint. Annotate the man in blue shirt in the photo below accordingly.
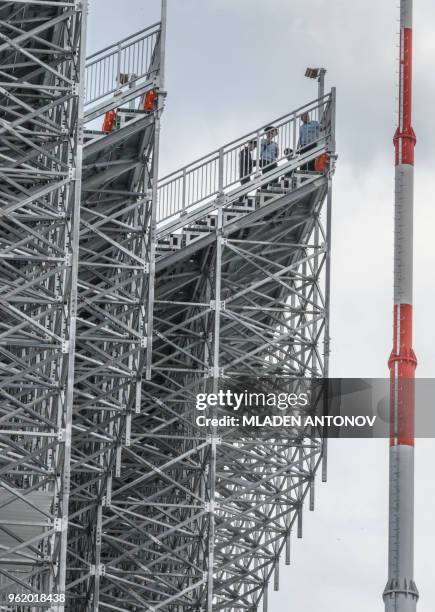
(269, 149)
(308, 136)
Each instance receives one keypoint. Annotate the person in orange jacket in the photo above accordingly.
(150, 101)
(321, 163)
(109, 121)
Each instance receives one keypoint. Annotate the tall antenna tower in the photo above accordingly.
(401, 594)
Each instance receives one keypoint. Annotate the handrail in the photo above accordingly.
(122, 65)
(123, 40)
(216, 173)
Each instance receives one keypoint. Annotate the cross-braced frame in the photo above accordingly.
(41, 134)
(115, 285)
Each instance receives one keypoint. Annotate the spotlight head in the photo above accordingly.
(315, 73)
(312, 73)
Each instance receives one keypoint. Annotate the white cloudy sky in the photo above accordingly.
(235, 64)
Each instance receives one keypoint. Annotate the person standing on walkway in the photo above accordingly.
(308, 136)
(269, 149)
(246, 162)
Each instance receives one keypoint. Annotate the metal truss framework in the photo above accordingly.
(224, 285)
(41, 137)
(199, 518)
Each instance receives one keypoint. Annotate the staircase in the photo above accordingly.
(189, 198)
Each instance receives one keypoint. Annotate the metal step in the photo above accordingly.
(191, 234)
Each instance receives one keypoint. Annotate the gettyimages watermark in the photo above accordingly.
(281, 402)
(335, 408)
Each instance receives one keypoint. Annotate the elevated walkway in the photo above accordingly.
(190, 197)
(124, 71)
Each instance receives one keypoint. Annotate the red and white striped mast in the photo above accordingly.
(401, 594)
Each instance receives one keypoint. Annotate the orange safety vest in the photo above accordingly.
(150, 101)
(109, 121)
(320, 163)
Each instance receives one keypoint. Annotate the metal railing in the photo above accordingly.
(122, 65)
(222, 170)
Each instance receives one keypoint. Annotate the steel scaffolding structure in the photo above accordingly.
(41, 102)
(241, 301)
(115, 281)
(123, 297)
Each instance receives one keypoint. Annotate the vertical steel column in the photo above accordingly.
(80, 97)
(321, 91)
(215, 373)
(401, 594)
(327, 339)
(152, 236)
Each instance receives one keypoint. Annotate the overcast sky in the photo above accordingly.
(233, 65)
